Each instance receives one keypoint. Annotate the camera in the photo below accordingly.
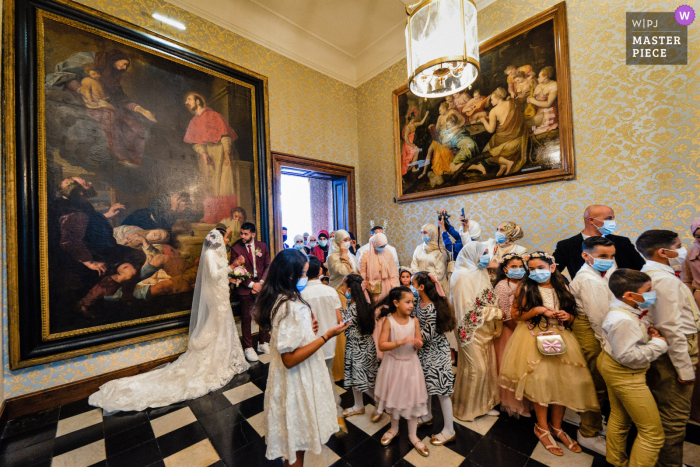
(445, 217)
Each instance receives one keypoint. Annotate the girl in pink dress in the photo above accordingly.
(508, 275)
(400, 388)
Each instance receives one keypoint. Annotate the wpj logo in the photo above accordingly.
(658, 38)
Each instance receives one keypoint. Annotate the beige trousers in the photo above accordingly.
(591, 422)
(673, 400)
(631, 401)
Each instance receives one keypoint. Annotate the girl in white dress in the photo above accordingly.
(300, 411)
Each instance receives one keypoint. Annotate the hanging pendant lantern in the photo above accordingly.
(442, 45)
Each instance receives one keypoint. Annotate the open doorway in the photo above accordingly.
(310, 196)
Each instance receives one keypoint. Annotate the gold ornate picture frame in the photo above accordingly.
(513, 126)
(123, 149)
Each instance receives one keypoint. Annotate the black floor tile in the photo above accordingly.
(222, 421)
(228, 441)
(489, 453)
(342, 463)
(218, 464)
(44, 463)
(99, 464)
(237, 380)
(252, 455)
(692, 433)
(30, 422)
(342, 443)
(29, 455)
(208, 404)
(128, 439)
(78, 439)
(465, 440)
(251, 407)
(28, 438)
(534, 463)
(160, 411)
(75, 408)
(157, 464)
(121, 421)
(258, 370)
(382, 456)
(180, 439)
(141, 456)
(513, 436)
(261, 383)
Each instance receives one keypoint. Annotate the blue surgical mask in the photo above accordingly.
(323, 243)
(484, 261)
(415, 292)
(301, 283)
(516, 273)
(284, 237)
(540, 275)
(608, 227)
(425, 238)
(312, 244)
(299, 246)
(379, 249)
(500, 238)
(348, 295)
(602, 265)
(649, 300)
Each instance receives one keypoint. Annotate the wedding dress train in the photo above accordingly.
(214, 353)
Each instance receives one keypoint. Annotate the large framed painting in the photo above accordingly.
(122, 151)
(512, 127)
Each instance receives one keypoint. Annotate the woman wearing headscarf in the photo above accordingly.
(430, 256)
(507, 234)
(320, 250)
(340, 263)
(381, 274)
(479, 322)
(299, 244)
(690, 275)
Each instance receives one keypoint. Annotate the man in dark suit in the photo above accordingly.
(599, 221)
(255, 257)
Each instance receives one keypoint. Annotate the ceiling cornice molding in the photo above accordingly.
(256, 22)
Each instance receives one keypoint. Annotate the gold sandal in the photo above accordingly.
(422, 422)
(550, 447)
(375, 417)
(350, 412)
(423, 452)
(572, 445)
(386, 441)
(438, 442)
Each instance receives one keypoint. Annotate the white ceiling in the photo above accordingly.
(349, 40)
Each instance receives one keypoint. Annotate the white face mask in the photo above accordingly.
(678, 261)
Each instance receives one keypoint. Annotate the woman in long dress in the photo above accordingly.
(476, 389)
(214, 353)
(340, 263)
(430, 256)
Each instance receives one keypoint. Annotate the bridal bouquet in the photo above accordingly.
(239, 274)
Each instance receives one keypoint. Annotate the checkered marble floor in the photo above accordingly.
(224, 428)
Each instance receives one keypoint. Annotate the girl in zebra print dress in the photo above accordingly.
(436, 318)
(361, 364)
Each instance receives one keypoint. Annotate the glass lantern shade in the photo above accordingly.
(442, 44)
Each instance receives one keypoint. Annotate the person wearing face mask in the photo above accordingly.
(284, 238)
(593, 298)
(340, 263)
(299, 244)
(320, 250)
(630, 344)
(431, 256)
(363, 249)
(599, 221)
(675, 315)
(256, 260)
(479, 322)
(507, 233)
(552, 375)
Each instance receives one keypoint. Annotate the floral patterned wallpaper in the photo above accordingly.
(635, 138)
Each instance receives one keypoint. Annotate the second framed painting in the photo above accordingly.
(512, 127)
(122, 151)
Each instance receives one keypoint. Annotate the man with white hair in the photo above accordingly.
(599, 221)
(363, 249)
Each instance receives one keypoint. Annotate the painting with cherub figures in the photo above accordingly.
(511, 127)
(141, 147)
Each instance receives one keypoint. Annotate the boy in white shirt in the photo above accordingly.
(325, 305)
(630, 344)
(593, 298)
(675, 315)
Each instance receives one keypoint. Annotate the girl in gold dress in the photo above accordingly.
(543, 303)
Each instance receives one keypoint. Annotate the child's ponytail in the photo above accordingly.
(445, 316)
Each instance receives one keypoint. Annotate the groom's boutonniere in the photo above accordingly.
(258, 252)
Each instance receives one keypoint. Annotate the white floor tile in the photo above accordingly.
(82, 457)
(257, 421)
(78, 422)
(569, 459)
(265, 357)
(201, 454)
(364, 423)
(241, 393)
(172, 421)
(691, 454)
(325, 459)
(439, 456)
(338, 390)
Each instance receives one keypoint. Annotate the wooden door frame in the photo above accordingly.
(281, 159)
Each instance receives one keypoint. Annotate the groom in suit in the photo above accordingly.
(599, 221)
(255, 257)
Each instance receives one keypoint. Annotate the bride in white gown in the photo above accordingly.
(214, 353)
